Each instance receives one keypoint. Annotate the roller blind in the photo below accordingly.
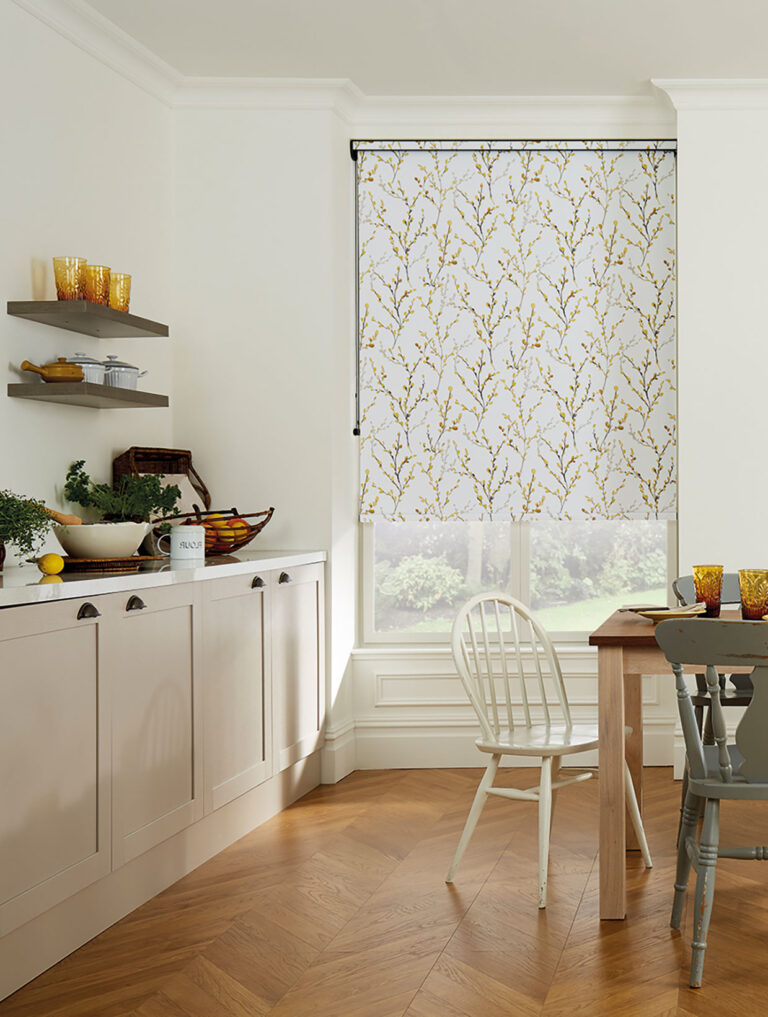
(516, 330)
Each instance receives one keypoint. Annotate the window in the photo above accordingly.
(573, 575)
(516, 378)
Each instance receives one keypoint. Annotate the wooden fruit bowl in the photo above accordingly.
(226, 530)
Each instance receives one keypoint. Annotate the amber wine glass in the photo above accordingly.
(708, 581)
(753, 587)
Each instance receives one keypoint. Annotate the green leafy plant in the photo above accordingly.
(23, 523)
(421, 583)
(132, 499)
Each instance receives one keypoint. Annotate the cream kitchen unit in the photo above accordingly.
(146, 722)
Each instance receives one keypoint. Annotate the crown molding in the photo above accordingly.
(96, 35)
(377, 116)
(714, 93)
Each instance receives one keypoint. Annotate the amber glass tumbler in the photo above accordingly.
(69, 275)
(708, 580)
(97, 284)
(753, 587)
(119, 291)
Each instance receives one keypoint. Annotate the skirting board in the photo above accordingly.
(42, 942)
(384, 747)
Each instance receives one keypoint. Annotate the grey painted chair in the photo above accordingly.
(512, 677)
(738, 693)
(719, 771)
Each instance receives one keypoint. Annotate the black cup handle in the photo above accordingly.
(88, 611)
(257, 583)
(284, 578)
(135, 604)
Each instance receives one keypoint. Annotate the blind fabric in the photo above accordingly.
(517, 330)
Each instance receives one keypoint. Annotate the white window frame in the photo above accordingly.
(519, 587)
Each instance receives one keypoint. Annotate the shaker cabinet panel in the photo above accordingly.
(151, 655)
(54, 755)
(297, 662)
(237, 705)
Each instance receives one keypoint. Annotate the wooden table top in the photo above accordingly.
(625, 628)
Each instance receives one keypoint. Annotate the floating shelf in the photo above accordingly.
(87, 393)
(87, 318)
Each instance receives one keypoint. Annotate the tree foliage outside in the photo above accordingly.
(424, 571)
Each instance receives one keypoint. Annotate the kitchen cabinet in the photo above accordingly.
(137, 715)
(54, 757)
(151, 649)
(297, 661)
(238, 722)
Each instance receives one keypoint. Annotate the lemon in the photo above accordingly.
(216, 519)
(49, 579)
(50, 564)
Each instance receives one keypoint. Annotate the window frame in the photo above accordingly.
(520, 589)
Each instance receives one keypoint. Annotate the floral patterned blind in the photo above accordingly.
(517, 330)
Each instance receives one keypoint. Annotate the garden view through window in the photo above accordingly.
(573, 574)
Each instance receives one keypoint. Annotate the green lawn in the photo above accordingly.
(583, 616)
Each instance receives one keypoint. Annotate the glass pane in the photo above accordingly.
(580, 572)
(425, 571)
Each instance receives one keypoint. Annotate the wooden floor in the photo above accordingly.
(337, 908)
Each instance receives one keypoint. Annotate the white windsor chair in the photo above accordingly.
(508, 666)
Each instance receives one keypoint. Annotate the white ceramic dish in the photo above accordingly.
(657, 614)
(101, 540)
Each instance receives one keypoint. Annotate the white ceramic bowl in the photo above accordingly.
(101, 540)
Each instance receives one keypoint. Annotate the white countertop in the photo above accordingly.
(21, 584)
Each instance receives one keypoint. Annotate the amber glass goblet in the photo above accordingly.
(753, 587)
(708, 581)
(69, 275)
(120, 291)
(97, 284)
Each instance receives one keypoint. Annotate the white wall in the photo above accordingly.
(722, 336)
(85, 170)
(264, 368)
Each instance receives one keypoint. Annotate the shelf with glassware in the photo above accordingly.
(88, 318)
(101, 321)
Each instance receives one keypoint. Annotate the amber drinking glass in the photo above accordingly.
(97, 284)
(708, 580)
(69, 275)
(753, 587)
(119, 291)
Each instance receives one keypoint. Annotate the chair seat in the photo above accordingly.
(543, 740)
(712, 785)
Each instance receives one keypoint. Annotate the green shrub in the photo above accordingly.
(420, 583)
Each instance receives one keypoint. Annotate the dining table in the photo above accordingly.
(626, 650)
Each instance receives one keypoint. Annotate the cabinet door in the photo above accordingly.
(150, 654)
(237, 755)
(54, 758)
(298, 661)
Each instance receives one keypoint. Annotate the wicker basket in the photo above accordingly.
(139, 459)
(224, 539)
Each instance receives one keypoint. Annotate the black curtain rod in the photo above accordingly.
(544, 148)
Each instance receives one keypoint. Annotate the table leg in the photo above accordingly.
(610, 690)
(633, 747)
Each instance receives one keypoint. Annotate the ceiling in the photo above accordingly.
(456, 47)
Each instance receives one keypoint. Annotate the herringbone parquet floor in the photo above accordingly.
(337, 908)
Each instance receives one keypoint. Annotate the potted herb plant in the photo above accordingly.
(24, 522)
(125, 510)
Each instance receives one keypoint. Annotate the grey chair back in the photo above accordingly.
(710, 644)
(685, 591)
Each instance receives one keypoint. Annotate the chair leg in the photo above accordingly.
(688, 824)
(634, 814)
(545, 819)
(705, 887)
(708, 736)
(474, 814)
(556, 760)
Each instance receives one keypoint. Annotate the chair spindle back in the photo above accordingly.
(710, 644)
(508, 665)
